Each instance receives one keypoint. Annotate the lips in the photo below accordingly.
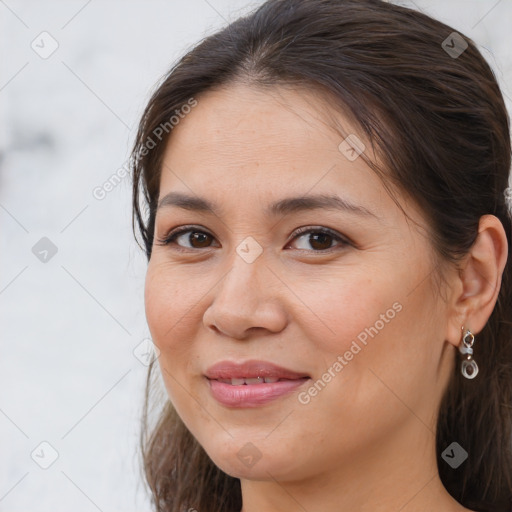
(252, 372)
(252, 383)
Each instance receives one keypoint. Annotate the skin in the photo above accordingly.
(366, 441)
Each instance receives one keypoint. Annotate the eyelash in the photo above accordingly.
(171, 237)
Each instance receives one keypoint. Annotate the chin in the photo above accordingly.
(260, 470)
(242, 459)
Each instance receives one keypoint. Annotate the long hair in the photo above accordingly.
(432, 109)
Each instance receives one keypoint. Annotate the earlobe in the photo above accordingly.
(480, 277)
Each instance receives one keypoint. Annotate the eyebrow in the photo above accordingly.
(281, 207)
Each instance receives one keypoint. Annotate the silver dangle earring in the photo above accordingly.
(469, 367)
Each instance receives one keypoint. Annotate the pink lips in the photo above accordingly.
(252, 383)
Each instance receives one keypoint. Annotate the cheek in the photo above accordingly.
(354, 306)
(384, 334)
(369, 359)
(169, 306)
(171, 309)
(378, 328)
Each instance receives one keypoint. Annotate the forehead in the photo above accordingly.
(243, 130)
(243, 145)
(229, 118)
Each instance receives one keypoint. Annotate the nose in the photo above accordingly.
(247, 299)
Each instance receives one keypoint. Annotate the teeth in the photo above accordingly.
(257, 380)
(254, 380)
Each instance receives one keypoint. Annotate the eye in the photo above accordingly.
(196, 239)
(320, 239)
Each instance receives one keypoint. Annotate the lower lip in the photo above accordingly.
(252, 395)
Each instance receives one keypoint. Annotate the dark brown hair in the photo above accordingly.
(439, 123)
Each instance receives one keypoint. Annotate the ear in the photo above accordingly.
(479, 279)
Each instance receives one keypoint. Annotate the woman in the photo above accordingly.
(329, 266)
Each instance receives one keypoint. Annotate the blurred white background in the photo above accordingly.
(71, 304)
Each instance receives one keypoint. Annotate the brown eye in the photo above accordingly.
(319, 239)
(188, 239)
(199, 238)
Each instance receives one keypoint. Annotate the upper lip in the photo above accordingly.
(250, 369)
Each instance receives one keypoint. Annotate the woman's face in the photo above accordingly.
(344, 312)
